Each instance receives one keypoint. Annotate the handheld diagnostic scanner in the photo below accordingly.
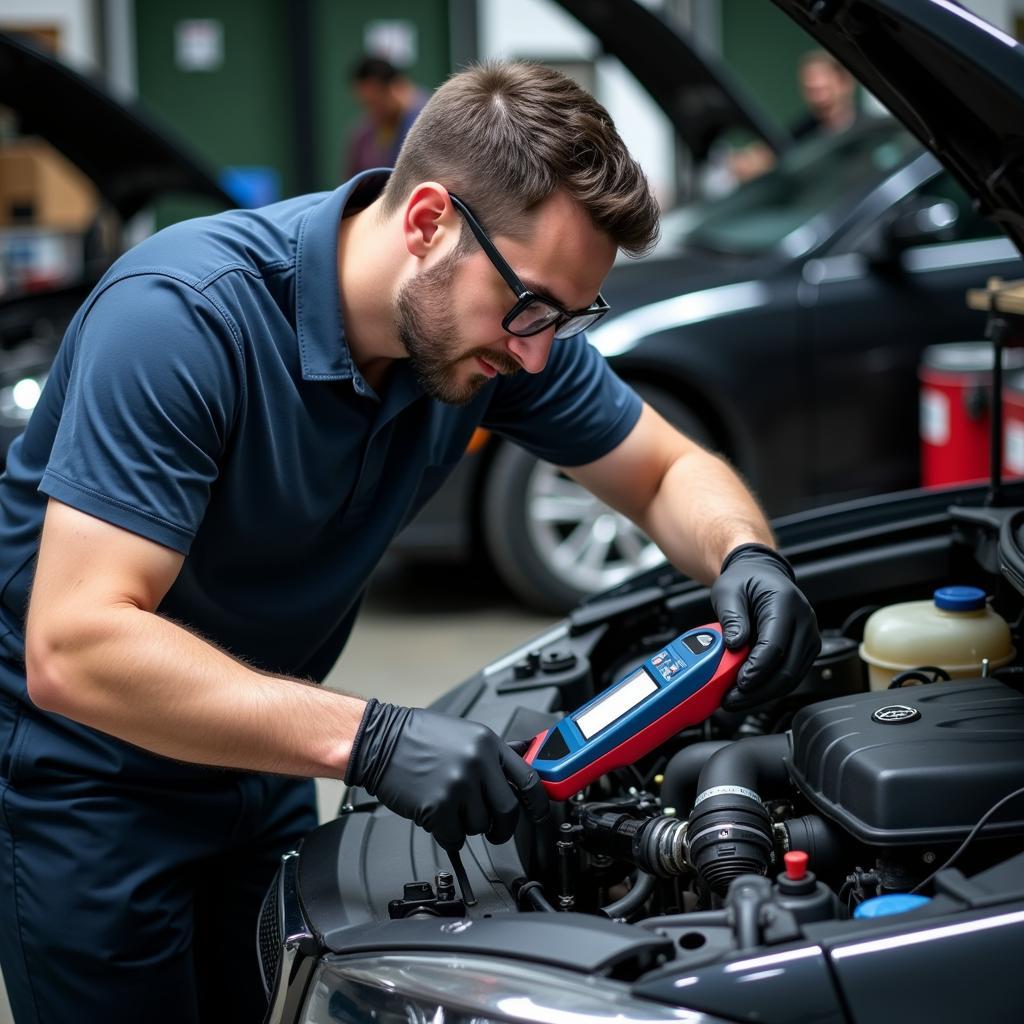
(678, 687)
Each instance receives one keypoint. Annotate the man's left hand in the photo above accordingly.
(758, 603)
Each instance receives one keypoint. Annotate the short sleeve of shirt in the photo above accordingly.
(572, 412)
(152, 389)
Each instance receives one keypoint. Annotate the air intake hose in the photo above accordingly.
(655, 845)
(679, 789)
(729, 832)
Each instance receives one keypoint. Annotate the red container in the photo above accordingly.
(1013, 425)
(956, 394)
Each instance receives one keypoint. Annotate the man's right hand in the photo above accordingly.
(453, 777)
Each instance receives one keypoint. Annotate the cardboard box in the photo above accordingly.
(39, 186)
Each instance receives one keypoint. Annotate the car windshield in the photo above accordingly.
(810, 178)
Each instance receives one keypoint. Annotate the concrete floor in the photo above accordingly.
(423, 629)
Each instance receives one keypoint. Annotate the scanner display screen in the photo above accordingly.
(623, 698)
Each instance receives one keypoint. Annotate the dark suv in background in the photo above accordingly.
(781, 325)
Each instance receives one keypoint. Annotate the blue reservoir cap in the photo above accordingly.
(894, 903)
(960, 599)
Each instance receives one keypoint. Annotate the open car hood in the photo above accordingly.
(696, 93)
(130, 162)
(953, 79)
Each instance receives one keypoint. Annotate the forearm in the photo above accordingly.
(144, 679)
(700, 512)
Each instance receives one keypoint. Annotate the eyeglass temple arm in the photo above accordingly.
(507, 273)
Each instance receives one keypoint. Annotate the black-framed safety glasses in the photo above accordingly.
(532, 313)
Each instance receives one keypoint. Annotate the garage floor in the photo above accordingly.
(422, 630)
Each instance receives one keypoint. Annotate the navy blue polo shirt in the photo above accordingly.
(204, 397)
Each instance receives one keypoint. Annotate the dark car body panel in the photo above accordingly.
(789, 985)
(893, 973)
(886, 972)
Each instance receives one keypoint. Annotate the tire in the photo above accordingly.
(551, 541)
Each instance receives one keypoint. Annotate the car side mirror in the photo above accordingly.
(922, 220)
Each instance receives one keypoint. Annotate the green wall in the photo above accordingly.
(237, 114)
(242, 112)
(339, 43)
(762, 47)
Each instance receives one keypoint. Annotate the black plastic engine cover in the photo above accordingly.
(351, 868)
(920, 764)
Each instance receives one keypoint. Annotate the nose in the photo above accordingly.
(532, 353)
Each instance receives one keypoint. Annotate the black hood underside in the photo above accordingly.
(130, 161)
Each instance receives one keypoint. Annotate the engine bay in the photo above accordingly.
(798, 821)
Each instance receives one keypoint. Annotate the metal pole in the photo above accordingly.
(997, 329)
(303, 100)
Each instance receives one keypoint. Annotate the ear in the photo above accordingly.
(429, 219)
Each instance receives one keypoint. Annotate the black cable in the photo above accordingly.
(1017, 624)
(533, 893)
(922, 674)
(970, 836)
(852, 620)
(639, 893)
(853, 890)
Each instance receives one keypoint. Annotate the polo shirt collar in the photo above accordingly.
(323, 351)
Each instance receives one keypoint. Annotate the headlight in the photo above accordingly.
(458, 989)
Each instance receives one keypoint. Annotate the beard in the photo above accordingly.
(428, 331)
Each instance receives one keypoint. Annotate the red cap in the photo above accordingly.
(796, 864)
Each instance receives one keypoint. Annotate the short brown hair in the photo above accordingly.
(505, 136)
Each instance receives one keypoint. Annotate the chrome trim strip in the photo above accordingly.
(923, 259)
(293, 933)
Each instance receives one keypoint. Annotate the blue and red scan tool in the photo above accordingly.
(678, 687)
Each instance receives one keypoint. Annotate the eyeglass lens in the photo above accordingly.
(538, 316)
(577, 324)
(533, 319)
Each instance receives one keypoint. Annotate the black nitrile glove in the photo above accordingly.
(758, 603)
(452, 777)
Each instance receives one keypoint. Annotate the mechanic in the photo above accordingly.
(244, 412)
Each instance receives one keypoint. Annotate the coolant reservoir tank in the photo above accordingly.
(955, 630)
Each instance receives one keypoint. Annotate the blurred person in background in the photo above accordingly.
(391, 101)
(828, 92)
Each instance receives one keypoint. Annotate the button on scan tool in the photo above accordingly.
(678, 687)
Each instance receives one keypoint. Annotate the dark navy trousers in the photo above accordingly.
(130, 884)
